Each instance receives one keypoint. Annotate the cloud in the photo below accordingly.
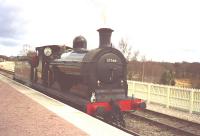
(8, 42)
(11, 25)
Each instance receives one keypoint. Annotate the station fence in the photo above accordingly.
(185, 99)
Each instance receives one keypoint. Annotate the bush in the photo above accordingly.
(167, 78)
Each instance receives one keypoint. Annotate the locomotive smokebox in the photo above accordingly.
(105, 37)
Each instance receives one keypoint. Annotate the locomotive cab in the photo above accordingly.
(45, 55)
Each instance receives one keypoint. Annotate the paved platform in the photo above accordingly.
(26, 112)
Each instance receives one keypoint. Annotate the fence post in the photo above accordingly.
(148, 92)
(191, 100)
(133, 88)
(130, 90)
(168, 95)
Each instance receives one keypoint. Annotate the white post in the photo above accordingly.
(148, 93)
(191, 100)
(133, 91)
(168, 95)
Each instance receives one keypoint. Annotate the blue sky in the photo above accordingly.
(162, 30)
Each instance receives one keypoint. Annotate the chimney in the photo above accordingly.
(104, 37)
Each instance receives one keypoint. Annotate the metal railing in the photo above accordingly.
(176, 97)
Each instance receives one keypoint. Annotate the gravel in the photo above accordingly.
(147, 129)
(173, 112)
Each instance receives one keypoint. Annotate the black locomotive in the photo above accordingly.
(95, 80)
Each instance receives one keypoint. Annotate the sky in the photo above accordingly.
(161, 30)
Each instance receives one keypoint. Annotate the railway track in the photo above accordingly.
(122, 128)
(6, 73)
(166, 122)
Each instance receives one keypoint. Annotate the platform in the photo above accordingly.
(26, 112)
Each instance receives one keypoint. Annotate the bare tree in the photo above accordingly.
(26, 51)
(135, 56)
(125, 49)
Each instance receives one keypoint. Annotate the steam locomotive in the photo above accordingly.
(95, 79)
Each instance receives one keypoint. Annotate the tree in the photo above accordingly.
(125, 49)
(135, 56)
(26, 51)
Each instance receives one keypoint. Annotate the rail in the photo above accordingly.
(185, 99)
(7, 71)
(172, 124)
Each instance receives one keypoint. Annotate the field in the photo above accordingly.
(188, 83)
(8, 65)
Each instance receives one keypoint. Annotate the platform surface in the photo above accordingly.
(26, 112)
(21, 116)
